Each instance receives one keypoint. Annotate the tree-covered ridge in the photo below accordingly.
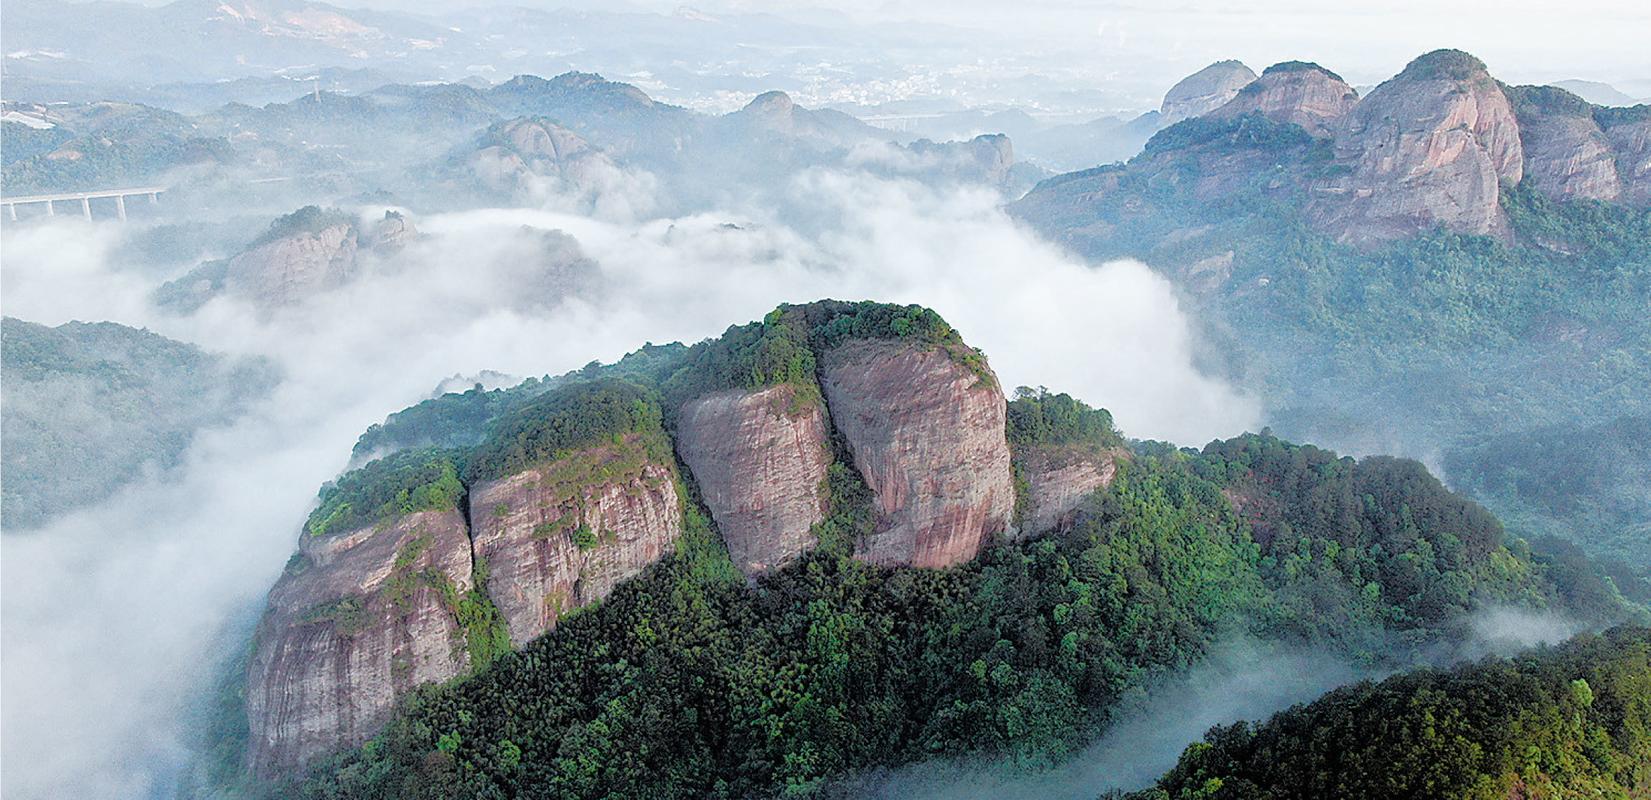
(687, 682)
(575, 417)
(1568, 722)
(781, 348)
(1571, 481)
(306, 220)
(459, 419)
(1037, 417)
(89, 405)
(404, 483)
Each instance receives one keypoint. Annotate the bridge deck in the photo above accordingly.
(67, 196)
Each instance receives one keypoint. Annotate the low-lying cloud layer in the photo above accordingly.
(114, 614)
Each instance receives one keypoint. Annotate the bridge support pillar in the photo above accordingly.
(120, 207)
(12, 207)
(86, 207)
(154, 198)
(50, 211)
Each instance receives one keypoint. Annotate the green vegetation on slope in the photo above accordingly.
(1038, 418)
(405, 483)
(1569, 722)
(573, 418)
(87, 406)
(686, 682)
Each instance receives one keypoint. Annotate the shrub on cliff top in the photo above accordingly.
(1037, 417)
(309, 219)
(407, 482)
(571, 418)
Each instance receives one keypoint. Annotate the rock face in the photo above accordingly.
(1629, 133)
(356, 622)
(927, 435)
(760, 459)
(1566, 154)
(516, 157)
(392, 233)
(1432, 146)
(1204, 91)
(1057, 483)
(563, 535)
(1297, 92)
(292, 267)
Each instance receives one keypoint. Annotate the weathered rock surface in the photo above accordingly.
(392, 233)
(292, 267)
(563, 535)
(1566, 154)
(1431, 147)
(1057, 482)
(356, 622)
(1629, 133)
(1204, 91)
(927, 435)
(760, 460)
(1296, 92)
(517, 157)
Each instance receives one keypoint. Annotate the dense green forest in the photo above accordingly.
(1572, 721)
(687, 682)
(90, 405)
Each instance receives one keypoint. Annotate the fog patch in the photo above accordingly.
(1503, 630)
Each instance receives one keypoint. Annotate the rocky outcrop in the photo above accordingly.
(773, 118)
(760, 460)
(392, 233)
(519, 156)
(1431, 147)
(296, 264)
(1204, 91)
(562, 535)
(1296, 92)
(1058, 481)
(1628, 130)
(356, 622)
(927, 435)
(1566, 154)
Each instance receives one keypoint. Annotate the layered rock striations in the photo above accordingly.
(1058, 480)
(1433, 146)
(358, 619)
(760, 458)
(927, 434)
(561, 535)
(1628, 130)
(1566, 153)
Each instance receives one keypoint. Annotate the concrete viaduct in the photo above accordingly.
(85, 199)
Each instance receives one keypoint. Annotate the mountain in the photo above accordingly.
(1600, 94)
(1443, 261)
(819, 542)
(302, 254)
(91, 407)
(1204, 91)
(1570, 721)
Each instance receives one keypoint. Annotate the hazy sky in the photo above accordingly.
(1521, 40)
